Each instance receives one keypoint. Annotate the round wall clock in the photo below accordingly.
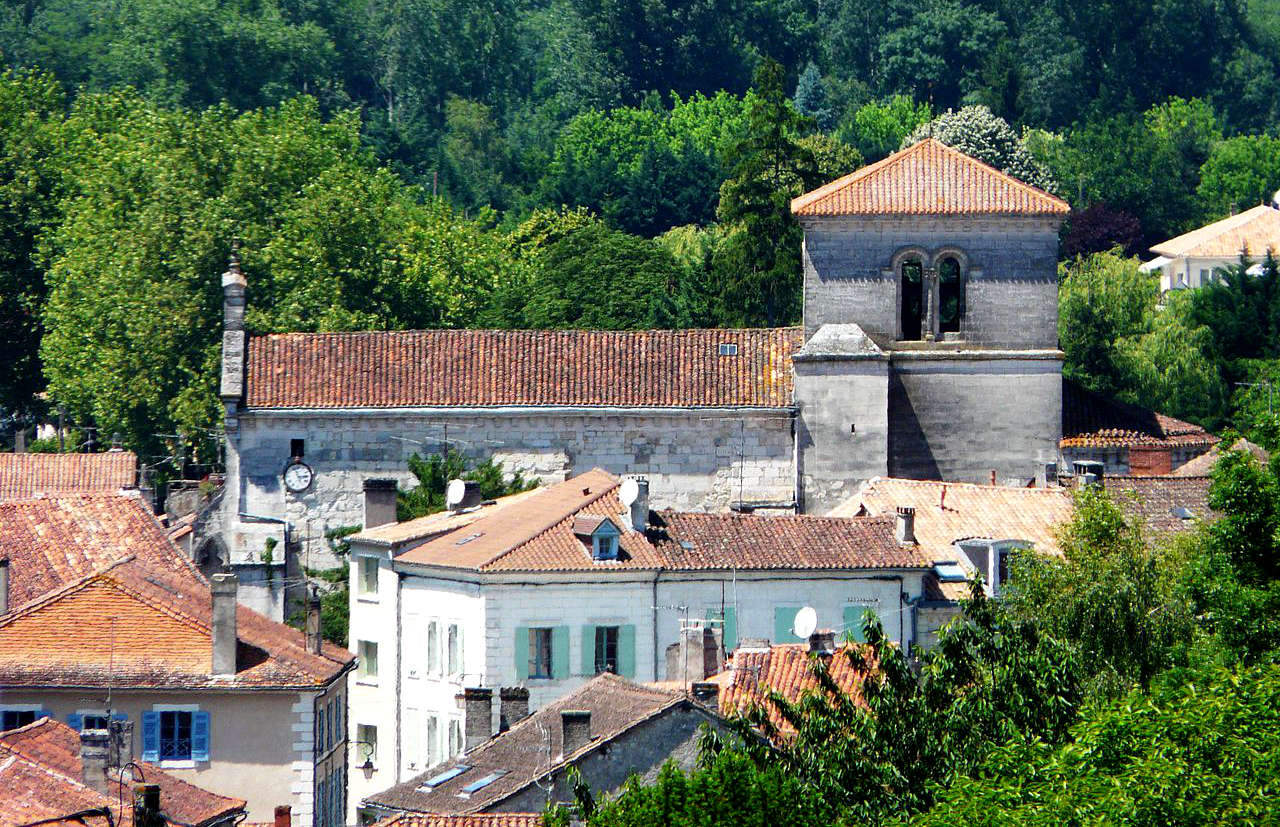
(298, 477)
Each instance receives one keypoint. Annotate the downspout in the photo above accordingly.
(654, 603)
(399, 636)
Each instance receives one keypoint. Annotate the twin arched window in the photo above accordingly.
(949, 307)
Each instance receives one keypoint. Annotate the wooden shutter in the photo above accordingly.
(560, 652)
(75, 721)
(200, 736)
(151, 736)
(784, 619)
(588, 650)
(627, 651)
(729, 630)
(522, 653)
(853, 621)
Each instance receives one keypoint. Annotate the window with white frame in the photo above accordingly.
(455, 649)
(368, 652)
(367, 738)
(540, 653)
(433, 741)
(433, 648)
(177, 734)
(455, 736)
(368, 575)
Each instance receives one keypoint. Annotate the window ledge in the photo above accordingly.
(174, 764)
(367, 598)
(366, 681)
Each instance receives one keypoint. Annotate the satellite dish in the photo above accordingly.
(1275, 200)
(806, 623)
(629, 491)
(455, 493)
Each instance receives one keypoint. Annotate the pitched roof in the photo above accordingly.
(950, 511)
(105, 597)
(1202, 466)
(28, 475)
(1159, 501)
(533, 748)
(752, 674)
(537, 533)
(928, 178)
(472, 820)
(1092, 420)
(451, 368)
(1256, 229)
(51, 542)
(58, 788)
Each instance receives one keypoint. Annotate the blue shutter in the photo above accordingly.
(522, 653)
(729, 626)
(339, 734)
(151, 736)
(784, 620)
(588, 650)
(853, 622)
(560, 652)
(44, 713)
(200, 736)
(75, 721)
(627, 651)
(321, 819)
(119, 716)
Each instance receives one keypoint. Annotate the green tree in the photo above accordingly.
(878, 128)
(435, 472)
(758, 263)
(975, 131)
(1240, 173)
(1102, 298)
(810, 99)
(937, 52)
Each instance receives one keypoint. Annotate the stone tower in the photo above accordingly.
(931, 325)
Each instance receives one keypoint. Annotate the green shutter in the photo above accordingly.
(730, 629)
(588, 650)
(784, 619)
(560, 652)
(627, 651)
(522, 653)
(853, 621)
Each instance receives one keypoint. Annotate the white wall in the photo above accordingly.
(372, 701)
(1192, 271)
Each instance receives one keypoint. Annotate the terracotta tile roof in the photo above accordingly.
(428, 368)
(1202, 466)
(1155, 499)
(1256, 229)
(435, 524)
(534, 747)
(537, 533)
(28, 475)
(1092, 420)
(473, 820)
(105, 596)
(929, 178)
(950, 511)
(752, 674)
(55, 748)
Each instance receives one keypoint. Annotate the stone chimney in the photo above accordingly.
(94, 750)
(513, 706)
(640, 508)
(477, 715)
(379, 502)
(284, 816)
(822, 642)
(575, 726)
(315, 636)
(4, 586)
(1046, 474)
(1088, 473)
(905, 527)
(706, 693)
(695, 656)
(121, 733)
(233, 340)
(146, 806)
(223, 588)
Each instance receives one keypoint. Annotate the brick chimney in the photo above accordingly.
(904, 529)
(233, 339)
(477, 715)
(4, 585)
(1150, 460)
(146, 806)
(575, 725)
(379, 502)
(94, 749)
(223, 588)
(284, 816)
(513, 706)
(315, 635)
(121, 734)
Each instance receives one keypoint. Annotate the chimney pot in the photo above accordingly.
(905, 526)
(146, 806)
(94, 750)
(4, 586)
(640, 508)
(477, 715)
(575, 727)
(1088, 473)
(706, 693)
(315, 637)
(513, 706)
(223, 588)
(823, 642)
(284, 815)
(379, 502)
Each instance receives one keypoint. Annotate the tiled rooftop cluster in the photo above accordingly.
(752, 675)
(29, 475)
(1092, 420)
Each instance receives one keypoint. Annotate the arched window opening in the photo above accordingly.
(950, 296)
(912, 310)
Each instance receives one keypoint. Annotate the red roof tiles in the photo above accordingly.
(472, 820)
(426, 368)
(751, 675)
(28, 475)
(42, 776)
(929, 178)
(1092, 420)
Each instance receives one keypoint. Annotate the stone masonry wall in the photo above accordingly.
(1012, 274)
(695, 460)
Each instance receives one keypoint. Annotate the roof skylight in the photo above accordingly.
(481, 783)
(447, 775)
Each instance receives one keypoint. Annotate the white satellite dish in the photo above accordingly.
(455, 492)
(1275, 200)
(629, 491)
(806, 623)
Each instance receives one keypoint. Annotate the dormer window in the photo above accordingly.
(601, 533)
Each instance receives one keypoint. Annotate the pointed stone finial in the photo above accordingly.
(234, 274)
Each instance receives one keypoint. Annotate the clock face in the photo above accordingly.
(297, 477)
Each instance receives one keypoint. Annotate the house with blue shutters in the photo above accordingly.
(537, 593)
(102, 619)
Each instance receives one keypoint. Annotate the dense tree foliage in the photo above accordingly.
(436, 470)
